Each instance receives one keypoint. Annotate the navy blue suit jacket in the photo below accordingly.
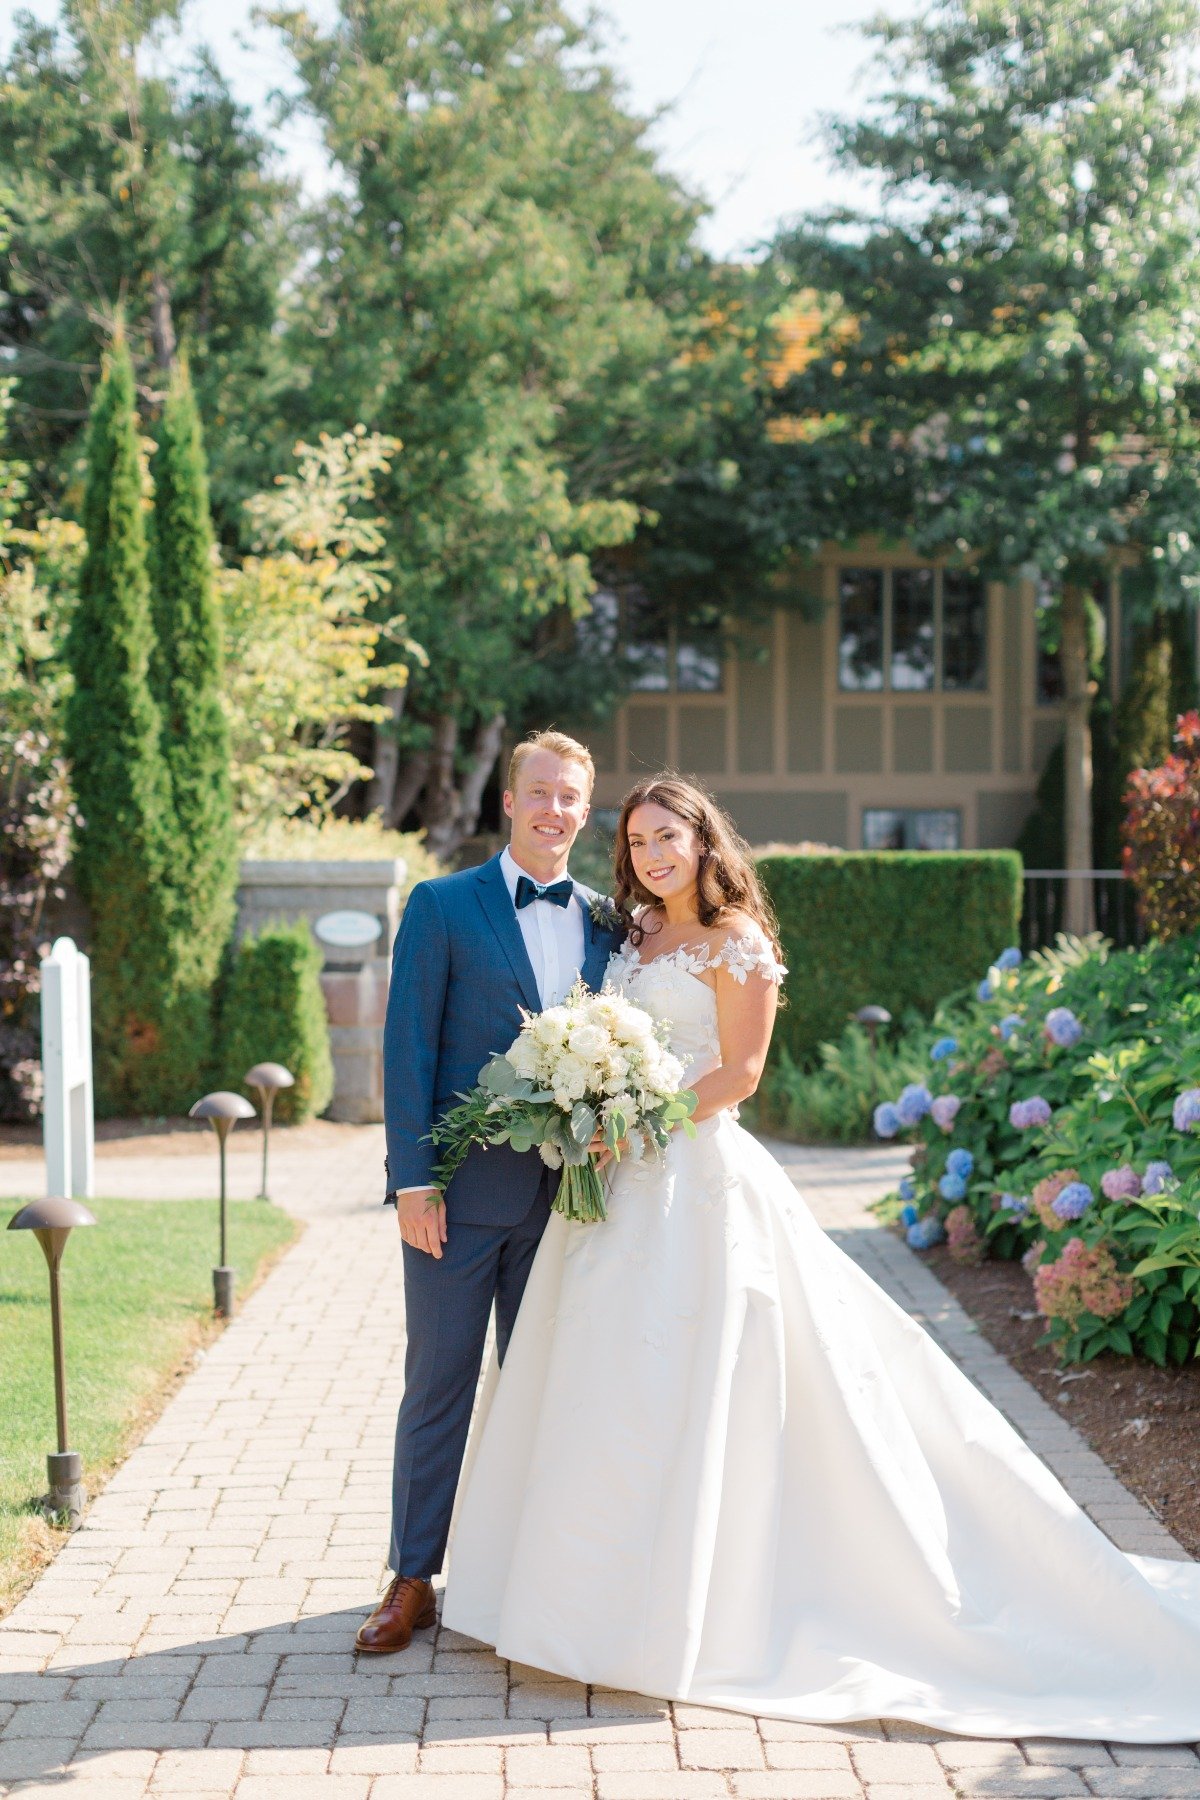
(460, 976)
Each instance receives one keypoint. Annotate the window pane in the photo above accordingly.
(883, 829)
(912, 629)
(860, 629)
(646, 643)
(1049, 670)
(934, 831)
(964, 632)
(698, 656)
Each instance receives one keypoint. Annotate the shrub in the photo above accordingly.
(1083, 1156)
(834, 1102)
(274, 1011)
(1162, 836)
(328, 838)
(897, 929)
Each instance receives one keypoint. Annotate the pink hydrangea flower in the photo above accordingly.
(962, 1239)
(1085, 1278)
(1121, 1184)
(944, 1111)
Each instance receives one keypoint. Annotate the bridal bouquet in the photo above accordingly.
(596, 1063)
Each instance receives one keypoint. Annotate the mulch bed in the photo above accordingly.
(1144, 1422)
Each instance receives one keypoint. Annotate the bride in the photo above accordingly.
(720, 1465)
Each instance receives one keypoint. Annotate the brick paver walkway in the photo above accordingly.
(194, 1638)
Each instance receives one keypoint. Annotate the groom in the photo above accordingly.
(473, 949)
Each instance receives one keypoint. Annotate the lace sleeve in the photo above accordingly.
(750, 953)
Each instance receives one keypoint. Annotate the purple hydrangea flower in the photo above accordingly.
(886, 1120)
(1186, 1111)
(908, 1215)
(1010, 1023)
(943, 1048)
(952, 1187)
(925, 1233)
(984, 991)
(1009, 959)
(960, 1162)
(1023, 1114)
(914, 1102)
(1156, 1177)
(944, 1111)
(908, 1188)
(1014, 1203)
(1074, 1200)
(1121, 1184)
(1063, 1028)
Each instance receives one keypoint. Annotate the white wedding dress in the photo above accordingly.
(720, 1465)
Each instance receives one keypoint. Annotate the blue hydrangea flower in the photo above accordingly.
(1023, 1114)
(960, 1162)
(984, 991)
(1063, 1028)
(908, 1215)
(925, 1233)
(886, 1120)
(952, 1187)
(1073, 1202)
(1009, 1023)
(1156, 1177)
(1010, 958)
(908, 1188)
(943, 1048)
(1014, 1203)
(914, 1102)
(1186, 1111)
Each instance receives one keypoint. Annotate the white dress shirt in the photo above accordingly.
(553, 939)
(553, 935)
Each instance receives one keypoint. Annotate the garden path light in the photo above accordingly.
(224, 1109)
(267, 1078)
(52, 1221)
(871, 1018)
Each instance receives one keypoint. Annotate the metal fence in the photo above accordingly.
(1113, 906)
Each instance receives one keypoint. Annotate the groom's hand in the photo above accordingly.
(422, 1218)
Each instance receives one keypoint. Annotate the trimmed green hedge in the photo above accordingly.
(893, 928)
(274, 1011)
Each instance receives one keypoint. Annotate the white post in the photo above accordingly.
(67, 1110)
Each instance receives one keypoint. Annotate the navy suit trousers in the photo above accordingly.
(448, 1302)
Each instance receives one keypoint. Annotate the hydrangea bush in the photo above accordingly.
(1063, 1129)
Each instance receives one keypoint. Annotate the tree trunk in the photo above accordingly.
(489, 736)
(381, 790)
(1078, 688)
(162, 324)
(439, 813)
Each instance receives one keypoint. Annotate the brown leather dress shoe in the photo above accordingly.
(407, 1606)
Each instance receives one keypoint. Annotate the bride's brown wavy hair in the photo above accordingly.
(727, 883)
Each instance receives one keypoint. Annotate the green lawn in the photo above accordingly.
(137, 1300)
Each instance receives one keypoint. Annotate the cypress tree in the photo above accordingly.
(186, 671)
(120, 780)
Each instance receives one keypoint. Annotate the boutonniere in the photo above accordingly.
(602, 911)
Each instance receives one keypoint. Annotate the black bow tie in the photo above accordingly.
(558, 893)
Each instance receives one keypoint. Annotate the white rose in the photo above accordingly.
(588, 1041)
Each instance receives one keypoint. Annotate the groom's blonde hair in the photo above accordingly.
(559, 744)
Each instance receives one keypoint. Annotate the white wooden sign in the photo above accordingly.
(67, 1110)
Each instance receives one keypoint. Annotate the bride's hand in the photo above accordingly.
(600, 1152)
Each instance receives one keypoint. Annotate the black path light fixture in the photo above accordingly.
(52, 1222)
(871, 1018)
(267, 1078)
(224, 1109)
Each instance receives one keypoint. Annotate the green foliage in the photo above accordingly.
(145, 196)
(328, 838)
(201, 870)
(123, 842)
(884, 928)
(274, 1011)
(137, 1301)
(1111, 1096)
(833, 1103)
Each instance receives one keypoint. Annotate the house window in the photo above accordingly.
(909, 828)
(660, 654)
(926, 628)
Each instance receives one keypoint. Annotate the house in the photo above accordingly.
(896, 703)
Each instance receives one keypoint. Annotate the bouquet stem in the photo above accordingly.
(581, 1193)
